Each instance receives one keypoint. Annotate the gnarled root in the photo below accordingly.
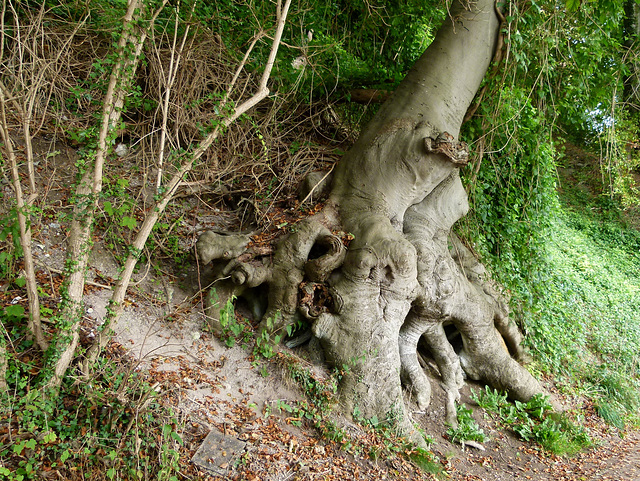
(390, 292)
(448, 296)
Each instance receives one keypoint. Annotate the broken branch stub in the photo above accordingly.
(212, 246)
(445, 144)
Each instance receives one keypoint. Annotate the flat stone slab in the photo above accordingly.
(218, 452)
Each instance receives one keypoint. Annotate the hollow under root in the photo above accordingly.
(457, 293)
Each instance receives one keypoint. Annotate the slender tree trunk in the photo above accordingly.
(62, 350)
(631, 94)
(3, 362)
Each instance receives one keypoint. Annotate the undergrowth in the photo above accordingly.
(588, 327)
(580, 310)
(379, 438)
(535, 421)
(571, 266)
(112, 426)
(467, 429)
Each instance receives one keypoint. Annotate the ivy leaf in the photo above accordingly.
(129, 222)
(65, 455)
(14, 310)
(572, 5)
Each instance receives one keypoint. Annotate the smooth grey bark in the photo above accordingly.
(631, 24)
(398, 269)
(397, 191)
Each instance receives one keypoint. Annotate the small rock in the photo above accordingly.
(121, 150)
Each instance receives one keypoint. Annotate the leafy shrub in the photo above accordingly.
(535, 421)
(468, 429)
(113, 424)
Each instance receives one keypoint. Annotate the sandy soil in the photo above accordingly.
(227, 392)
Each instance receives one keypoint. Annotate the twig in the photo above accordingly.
(174, 65)
(23, 209)
(154, 213)
(315, 186)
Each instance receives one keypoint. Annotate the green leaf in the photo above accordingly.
(65, 455)
(572, 5)
(129, 222)
(108, 207)
(176, 437)
(15, 310)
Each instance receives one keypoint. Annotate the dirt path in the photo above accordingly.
(618, 461)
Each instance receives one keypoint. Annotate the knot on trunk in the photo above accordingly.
(445, 144)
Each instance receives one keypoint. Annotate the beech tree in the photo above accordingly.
(404, 276)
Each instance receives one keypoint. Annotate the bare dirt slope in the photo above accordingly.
(228, 392)
(245, 401)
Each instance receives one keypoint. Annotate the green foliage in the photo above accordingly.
(588, 327)
(119, 210)
(268, 339)
(390, 37)
(569, 264)
(165, 240)
(513, 194)
(233, 331)
(10, 247)
(621, 160)
(535, 421)
(112, 424)
(320, 392)
(468, 429)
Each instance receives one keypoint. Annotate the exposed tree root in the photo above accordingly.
(403, 278)
(390, 293)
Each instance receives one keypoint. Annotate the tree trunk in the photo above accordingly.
(399, 196)
(631, 25)
(398, 193)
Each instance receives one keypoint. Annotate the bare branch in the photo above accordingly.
(23, 212)
(116, 302)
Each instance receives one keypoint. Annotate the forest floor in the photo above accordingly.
(242, 401)
(244, 404)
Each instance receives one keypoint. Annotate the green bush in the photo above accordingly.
(535, 421)
(113, 424)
